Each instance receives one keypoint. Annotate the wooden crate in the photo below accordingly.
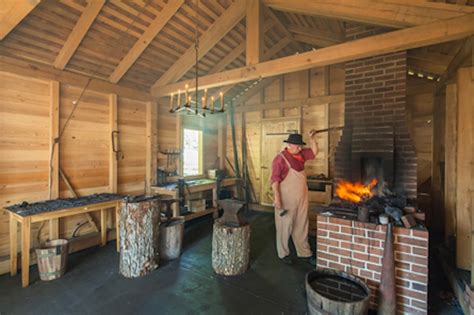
(196, 205)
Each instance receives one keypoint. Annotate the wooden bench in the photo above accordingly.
(26, 221)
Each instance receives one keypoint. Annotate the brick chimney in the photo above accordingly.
(376, 140)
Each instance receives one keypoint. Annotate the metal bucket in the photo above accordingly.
(336, 292)
(171, 238)
(52, 259)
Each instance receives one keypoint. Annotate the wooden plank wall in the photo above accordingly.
(300, 86)
(83, 150)
(420, 118)
(132, 161)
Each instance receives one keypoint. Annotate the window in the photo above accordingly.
(192, 144)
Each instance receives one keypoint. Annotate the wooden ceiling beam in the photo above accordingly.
(465, 52)
(78, 33)
(225, 23)
(142, 43)
(254, 32)
(414, 37)
(12, 13)
(390, 13)
(41, 71)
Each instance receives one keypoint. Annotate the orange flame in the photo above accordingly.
(355, 192)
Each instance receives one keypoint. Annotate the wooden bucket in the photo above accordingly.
(171, 238)
(52, 259)
(336, 292)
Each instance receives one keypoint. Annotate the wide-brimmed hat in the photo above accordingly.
(295, 138)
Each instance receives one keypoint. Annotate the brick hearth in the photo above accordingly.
(357, 248)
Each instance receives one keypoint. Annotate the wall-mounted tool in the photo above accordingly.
(313, 131)
(115, 144)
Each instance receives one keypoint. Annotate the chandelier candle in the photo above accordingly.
(222, 101)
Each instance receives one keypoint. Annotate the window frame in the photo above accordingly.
(200, 153)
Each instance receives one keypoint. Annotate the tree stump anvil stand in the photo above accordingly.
(230, 242)
(139, 230)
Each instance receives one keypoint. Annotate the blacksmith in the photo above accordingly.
(290, 192)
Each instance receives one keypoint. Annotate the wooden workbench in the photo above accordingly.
(26, 221)
(174, 193)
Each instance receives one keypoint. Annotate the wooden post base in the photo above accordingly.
(230, 249)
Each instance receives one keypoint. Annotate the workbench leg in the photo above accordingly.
(13, 246)
(215, 214)
(117, 227)
(53, 229)
(25, 251)
(175, 206)
(103, 226)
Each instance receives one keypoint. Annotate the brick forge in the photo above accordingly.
(357, 248)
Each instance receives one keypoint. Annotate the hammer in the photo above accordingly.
(282, 211)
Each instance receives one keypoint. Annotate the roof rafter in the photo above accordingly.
(78, 33)
(12, 13)
(315, 37)
(414, 37)
(142, 43)
(226, 22)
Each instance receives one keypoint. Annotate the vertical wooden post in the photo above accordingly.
(113, 126)
(254, 34)
(54, 152)
(25, 251)
(13, 246)
(435, 222)
(103, 227)
(450, 161)
(113, 158)
(151, 144)
(221, 142)
(464, 161)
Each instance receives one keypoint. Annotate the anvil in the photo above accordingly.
(233, 214)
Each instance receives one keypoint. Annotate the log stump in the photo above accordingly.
(139, 232)
(230, 248)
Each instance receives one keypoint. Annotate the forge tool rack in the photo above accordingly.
(51, 210)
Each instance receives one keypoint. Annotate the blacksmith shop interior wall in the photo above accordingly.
(315, 96)
(83, 154)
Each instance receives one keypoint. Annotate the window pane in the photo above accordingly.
(191, 144)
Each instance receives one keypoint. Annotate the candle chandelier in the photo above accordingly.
(196, 106)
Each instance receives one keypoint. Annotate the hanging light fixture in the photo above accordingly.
(196, 106)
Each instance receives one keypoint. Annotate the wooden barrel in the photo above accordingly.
(171, 238)
(230, 248)
(52, 259)
(139, 232)
(336, 292)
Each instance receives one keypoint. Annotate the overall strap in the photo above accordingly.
(287, 163)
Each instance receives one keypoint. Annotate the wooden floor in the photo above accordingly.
(92, 284)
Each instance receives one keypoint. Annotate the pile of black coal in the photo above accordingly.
(402, 211)
(26, 209)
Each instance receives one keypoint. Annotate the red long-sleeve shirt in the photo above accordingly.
(280, 168)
